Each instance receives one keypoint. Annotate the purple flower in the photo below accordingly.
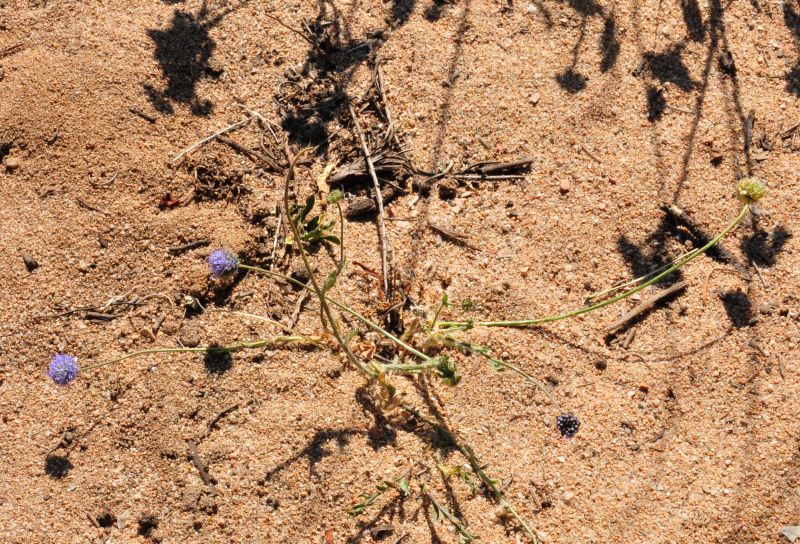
(63, 369)
(222, 262)
(567, 425)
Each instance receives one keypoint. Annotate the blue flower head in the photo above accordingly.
(222, 262)
(63, 369)
(567, 425)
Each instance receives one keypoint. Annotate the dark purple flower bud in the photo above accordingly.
(222, 262)
(63, 369)
(567, 425)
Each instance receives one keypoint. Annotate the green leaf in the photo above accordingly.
(436, 513)
(446, 369)
(307, 208)
(313, 224)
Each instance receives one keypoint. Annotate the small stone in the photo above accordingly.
(30, 262)
(191, 336)
(600, 364)
(567, 497)
(565, 186)
(84, 267)
(534, 98)
(767, 308)
(506, 228)
(502, 513)
(12, 163)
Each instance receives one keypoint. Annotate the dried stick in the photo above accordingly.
(502, 166)
(646, 305)
(201, 467)
(221, 131)
(251, 153)
(379, 199)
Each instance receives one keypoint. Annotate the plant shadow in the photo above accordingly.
(183, 52)
(57, 466)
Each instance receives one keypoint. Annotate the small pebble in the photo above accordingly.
(568, 496)
(84, 266)
(506, 228)
(30, 262)
(12, 163)
(565, 186)
(191, 336)
(502, 513)
(767, 308)
(534, 98)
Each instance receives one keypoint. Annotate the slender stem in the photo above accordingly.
(605, 292)
(655, 279)
(450, 517)
(438, 311)
(341, 306)
(317, 291)
(411, 369)
(233, 347)
(486, 352)
(475, 463)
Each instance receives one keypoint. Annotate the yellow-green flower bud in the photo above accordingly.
(750, 190)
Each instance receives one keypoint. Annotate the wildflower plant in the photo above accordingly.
(63, 369)
(420, 339)
(222, 262)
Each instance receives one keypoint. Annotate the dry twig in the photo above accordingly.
(379, 199)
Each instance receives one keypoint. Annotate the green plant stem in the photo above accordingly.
(655, 279)
(411, 369)
(342, 307)
(634, 281)
(312, 277)
(233, 347)
(450, 517)
(438, 311)
(475, 464)
(486, 352)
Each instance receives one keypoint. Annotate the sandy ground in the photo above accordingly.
(689, 416)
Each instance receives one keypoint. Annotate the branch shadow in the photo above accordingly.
(394, 509)
(669, 67)
(381, 433)
(315, 451)
(763, 247)
(609, 44)
(738, 307)
(570, 79)
(183, 52)
(693, 19)
(57, 466)
(791, 19)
